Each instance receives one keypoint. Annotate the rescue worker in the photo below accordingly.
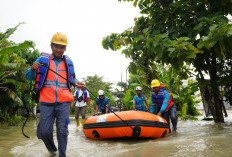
(138, 100)
(81, 97)
(162, 103)
(55, 93)
(102, 103)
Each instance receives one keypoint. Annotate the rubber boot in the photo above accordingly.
(78, 123)
(83, 122)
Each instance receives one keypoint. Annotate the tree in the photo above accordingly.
(125, 98)
(179, 33)
(12, 68)
(96, 83)
(184, 94)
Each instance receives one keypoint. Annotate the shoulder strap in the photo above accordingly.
(78, 90)
(83, 93)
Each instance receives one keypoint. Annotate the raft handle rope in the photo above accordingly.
(26, 105)
(136, 129)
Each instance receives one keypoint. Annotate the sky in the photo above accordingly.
(85, 23)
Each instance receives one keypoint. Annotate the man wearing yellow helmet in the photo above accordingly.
(162, 103)
(55, 93)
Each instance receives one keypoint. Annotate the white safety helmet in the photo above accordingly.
(100, 92)
(138, 88)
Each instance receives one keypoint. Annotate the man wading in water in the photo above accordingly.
(102, 103)
(81, 97)
(162, 104)
(55, 93)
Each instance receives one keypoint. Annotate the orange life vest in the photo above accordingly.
(170, 102)
(55, 88)
(159, 98)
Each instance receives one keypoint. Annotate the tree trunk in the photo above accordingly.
(206, 96)
(215, 90)
(218, 109)
(207, 100)
(210, 92)
(222, 104)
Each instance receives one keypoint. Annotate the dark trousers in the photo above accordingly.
(173, 116)
(48, 114)
(171, 113)
(103, 111)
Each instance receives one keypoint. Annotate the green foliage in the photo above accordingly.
(12, 80)
(191, 32)
(187, 98)
(184, 110)
(30, 55)
(128, 99)
(12, 84)
(129, 92)
(13, 48)
(188, 95)
(184, 95)
(133, 81)
(15, 120)
(10, 51)
(122, 85)
(96, 83)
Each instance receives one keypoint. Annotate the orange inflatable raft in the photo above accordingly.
(134, 124)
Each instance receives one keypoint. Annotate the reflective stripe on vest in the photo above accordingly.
(159, 98)
(85, 94)
(52, 87)
(139, 101)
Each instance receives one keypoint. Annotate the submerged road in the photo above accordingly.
(194, 138)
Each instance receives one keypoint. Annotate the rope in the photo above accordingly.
(26, 105)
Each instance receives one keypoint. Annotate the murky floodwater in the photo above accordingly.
(194, 138)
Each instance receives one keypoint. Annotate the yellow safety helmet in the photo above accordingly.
(155, 83)
(59, 38)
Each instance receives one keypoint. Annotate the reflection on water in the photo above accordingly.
(194, 138)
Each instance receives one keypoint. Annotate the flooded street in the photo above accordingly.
(194, 138)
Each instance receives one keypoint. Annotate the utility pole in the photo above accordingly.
(121, 95)
(126, 81)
